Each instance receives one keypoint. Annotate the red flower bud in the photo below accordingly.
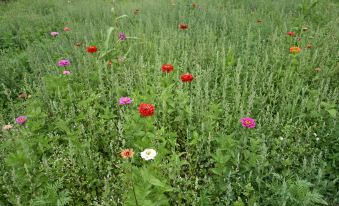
(186, 77)
(92, 49)
(167, 68)
(183, 26)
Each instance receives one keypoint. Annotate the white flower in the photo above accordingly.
(281, 138)
(148, 154)
(317, 139)
(7, 127)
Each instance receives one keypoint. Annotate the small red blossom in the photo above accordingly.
(92, 49)
(146, 110)
(186, 77)
(167, 68)
(291, 33)
(183, 26)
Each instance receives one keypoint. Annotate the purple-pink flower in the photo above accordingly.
(122, 36)
(248, 122)
(54, 33)
(66, 72)
(125, 100)
(21, 120)
(64, 63)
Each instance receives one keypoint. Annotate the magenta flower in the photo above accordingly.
(248, 122)
(66, 72)
(21, 120)
(125, 100)
(54, 33)
(122, 36)
(64, 63)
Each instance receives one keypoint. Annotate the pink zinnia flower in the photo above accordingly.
(64, 63)
(122, 36)
(54, 33)
(66, 72)
(248, 122)
(21, 120)
(125, 100)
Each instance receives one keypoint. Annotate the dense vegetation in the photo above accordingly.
(68, 149)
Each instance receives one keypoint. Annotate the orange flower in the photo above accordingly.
(127, 153)
(295, 49)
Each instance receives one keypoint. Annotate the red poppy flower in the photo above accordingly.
(167, 68)
(92, 49)
(291, 33)
(186, 77)
(183, 26)
(146, 110)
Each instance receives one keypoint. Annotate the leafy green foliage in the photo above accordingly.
(68, 152)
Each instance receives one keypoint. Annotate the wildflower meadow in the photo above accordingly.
(169, 102)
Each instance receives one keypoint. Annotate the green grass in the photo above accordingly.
(68, 152)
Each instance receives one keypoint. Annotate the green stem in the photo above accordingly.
(135, 197)
(132, 181)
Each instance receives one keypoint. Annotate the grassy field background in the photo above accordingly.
(68, 151)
